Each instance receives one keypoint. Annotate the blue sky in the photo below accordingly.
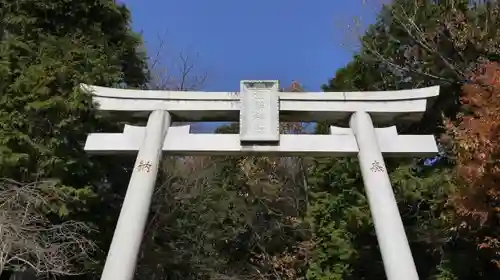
(259, 39)
(234, 40)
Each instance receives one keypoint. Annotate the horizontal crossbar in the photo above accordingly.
(339, 144)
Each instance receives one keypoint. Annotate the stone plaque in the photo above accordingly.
(259, 113)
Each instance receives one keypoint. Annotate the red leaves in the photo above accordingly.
(294, 87)
(477, 146)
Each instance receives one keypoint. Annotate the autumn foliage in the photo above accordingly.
(477, 147)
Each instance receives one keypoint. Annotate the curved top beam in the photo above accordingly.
(119, 93)
(391, 95)
(385, 107)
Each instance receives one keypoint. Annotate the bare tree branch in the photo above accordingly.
(427, 41)
(418, 35)
(186, 75)
(29, 240)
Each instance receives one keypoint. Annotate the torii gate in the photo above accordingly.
(259, 107)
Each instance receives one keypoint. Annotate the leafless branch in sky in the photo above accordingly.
(180, 73)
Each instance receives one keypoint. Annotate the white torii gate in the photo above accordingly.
(259, 106)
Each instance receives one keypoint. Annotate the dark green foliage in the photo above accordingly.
(47, 49)
(346, 245)
(45, 117)
(239, 217)
(412, 44)
(226, 217)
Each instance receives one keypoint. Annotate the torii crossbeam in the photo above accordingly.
(259, 107)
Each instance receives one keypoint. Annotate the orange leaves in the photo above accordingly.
(476, 135)
(294, 87)
(477, 146)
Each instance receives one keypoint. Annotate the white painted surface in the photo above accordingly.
(259, 113)
(384, 106)
(363, 109)
(267, 85)
(124, 249)
(394, 95)
(307, 110)
(394, 247)
(341, 143)
(383, 133)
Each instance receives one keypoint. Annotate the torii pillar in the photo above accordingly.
(259, 107)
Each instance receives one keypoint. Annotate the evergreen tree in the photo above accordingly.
(47, 49)
(412, 44)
